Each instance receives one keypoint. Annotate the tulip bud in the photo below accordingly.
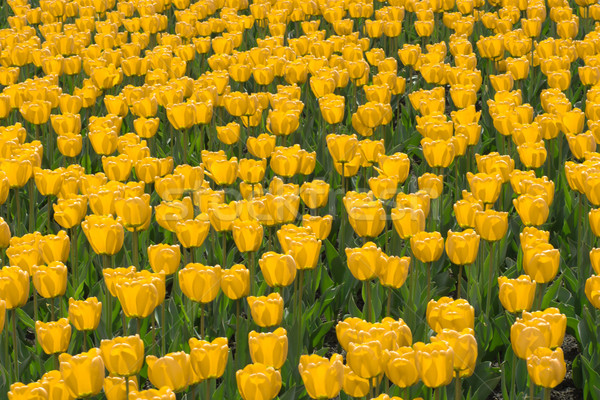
(209, 359)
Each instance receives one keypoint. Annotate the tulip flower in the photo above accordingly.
(557, 321)
(193, 232)
(247, 235)
(464, 345)
(50, 281)
(592, 290)
(14, 286)
(83, 373)
(208, 359)
(266, 311)
(516, 295)
(235, 282)
(105, 234)
(546, 367)
(164, 257)
(164, 393)
(54, 337)
(322, 377)
(123, 356)
(435, 362)
(321, 226)
(33, 391)
(138, 297)
(542, 263)
(400, 366)
(450, 314)
(528, 335)
(55, 247)
(408, 221)
(279, 270)
(84, 315)
(365, 359)
(315, 194)
(173, 371)
(258, 381)
(2, 314)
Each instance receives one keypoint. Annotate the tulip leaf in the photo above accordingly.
(318, 335)
(550, 293)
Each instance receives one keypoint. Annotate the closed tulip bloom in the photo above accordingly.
(55, 247)
(36, 112)
(491, 225)
(223, 172)
(427, 246)
(247, 235)
(173, 370)
(50, 281)
(321, 226)
(4, 234)
(235, 281)
(193, 232)
(115, 388)
(484, 187)
(432, 184)
(365, 359)
(526, 336)
(533, 210)
(261, 146)
(383, 188)
(266, 310)
(365, 262)
(367, 218)
(84, 315)
(393, 272)
(209, 359)
(123, 356)
(138, 297)
(48, 182)
(557, 321)
(400, 366)
(546, 367)
(438, 153)
(55, 386)
(450, 314)
(305, 251)
(258, 382)
(342, 148)
(31, 391)
(104, 233)
(408, 221)
(315, 194)
(543, 264)
(592, 290)
(252, 171)
(464, 345)
(279, 270)
(516, 295)
(353, 385)
(83, 373)
(14, 286)
(270, 348)
(135, 212)
(322, 377)
(222, 216)
(462, 247)
(54, 337)
(164, 257)
(435, 362)
(18, 172)
(164, 393)
(200, 283)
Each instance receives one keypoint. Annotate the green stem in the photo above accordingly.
(252, 272)
(459, 280)
(49, 216)
(18, 211)
(547, 392)
(237, 335)
(369, 310)
(35, 305)
(531, 390)
(207, 390)
(202, 320)
(389, 302)
(135, 240)
(224, 249)
(457, 388)
(85, 336)
(184, 145)
(513, 378)
(127, 387)
(124, 322)
(163, 328)
(138, 325)
(490, 278)
(52, 309)
(15, 344)
(32, 202)
(438, 393)
(428, 282)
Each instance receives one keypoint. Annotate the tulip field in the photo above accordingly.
(299, 199)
